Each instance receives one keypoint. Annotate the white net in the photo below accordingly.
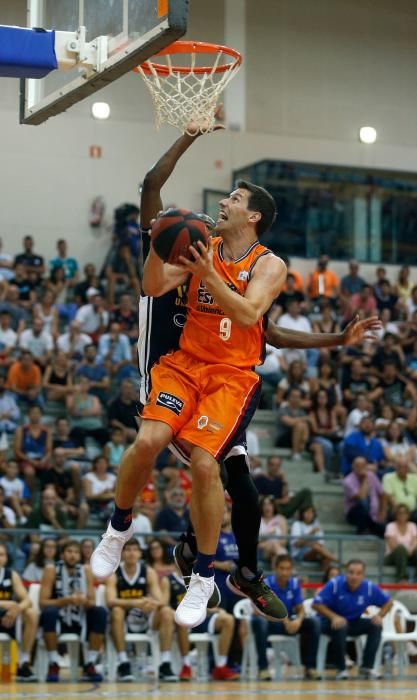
(180, 98)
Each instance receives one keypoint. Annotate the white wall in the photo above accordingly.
(331, 65)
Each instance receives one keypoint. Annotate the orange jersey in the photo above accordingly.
(208, 334)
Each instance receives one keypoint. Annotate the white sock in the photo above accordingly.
(221, 661)
(24, 657)
(122, 656)
(92, 656)
(186, 660)
(165, 657)
(53, 657)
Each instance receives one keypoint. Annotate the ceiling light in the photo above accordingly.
(100, 110)
(367, 134)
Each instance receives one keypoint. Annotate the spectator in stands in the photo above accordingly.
(47, 311)
(46, 554)
(401, 488)
(327, 323)
(272, 368)
(218, 622)
(401, 543)
(299, 284)
(365, 501)
(253, 449)
(275, 528)
(114, 449)
(135, 601)
(69, 264)
(396, 391)
(38, 341)
(323, 282)
(362, 443)
(141, 524)
(411, 362)
(6, 264)
(87, 546)
(48, 515)
(69, 447)
(404, 285)
(16, 493)
(288, 589)
(362, 303)
(389, 351)
(295, 321)
(388, 325)
(274, 484)
(341, 604)
(325, 431)
(67, 598)
(8, 339)
(353, 282)
(57, 379)
(326, 380)
(98, 488)
(308, 525)
(225, 561)
(15, 602)
(295, 379)
(294, 430)
(26, 288)
(396, 445)
(149, 501)
(33, 447)
(66, 484)
(58, 285)
(86, 414)
(90, 280)
(114, 350)
(73, 342)
(174, 517)
(31, 262)
(9, 410)
(10, 304)
(123, 411)
(385, 298)
(126, 317)
(381, 276)
(411, 303)
(362, 409)
(289, 293)
(159, 558)
(95, 372)
(357, 381)
(93, 317)
(7, 515)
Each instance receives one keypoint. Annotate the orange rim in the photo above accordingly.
(184, 47)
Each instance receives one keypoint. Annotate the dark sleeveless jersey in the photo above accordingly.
(135, 588)
(6, 585)
(66, 583)
(177, 590)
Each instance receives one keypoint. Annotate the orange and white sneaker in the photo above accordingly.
(186, 673)
(224, 673)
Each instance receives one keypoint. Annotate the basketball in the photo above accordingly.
(174, 231)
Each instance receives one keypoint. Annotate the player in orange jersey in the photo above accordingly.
(206, 392)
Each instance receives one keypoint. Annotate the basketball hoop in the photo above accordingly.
(188, 93)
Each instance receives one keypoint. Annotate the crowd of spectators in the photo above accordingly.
(68, 388)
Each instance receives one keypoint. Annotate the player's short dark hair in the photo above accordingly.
(356, 561)
(281, 558)
(260, 200)
(70, 543)
(133, 542)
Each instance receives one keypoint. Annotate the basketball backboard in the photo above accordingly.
(123, 33)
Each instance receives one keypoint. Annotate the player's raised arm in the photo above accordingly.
(160, 277)
(355, 332)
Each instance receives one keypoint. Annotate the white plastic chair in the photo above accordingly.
(72, 642)
(390, 634)
(243, 610)
(201, 641)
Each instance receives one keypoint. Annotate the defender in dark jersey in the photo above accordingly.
(135, 600)
(15, 603)
(67, 601)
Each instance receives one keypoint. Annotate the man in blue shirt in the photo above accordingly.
(287, 588)
(341, 604)
(225, 561)
(362, 443)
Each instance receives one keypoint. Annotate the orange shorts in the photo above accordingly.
(207, 405)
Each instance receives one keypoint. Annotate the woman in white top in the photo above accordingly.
(395, 445)
(401, 543)
(47, 311)
(98, 488)
(273, 527)
(309, 550)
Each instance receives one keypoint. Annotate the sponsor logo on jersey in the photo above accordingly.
(202, 422)
(243, 275)
(173, 403)
(179, 320)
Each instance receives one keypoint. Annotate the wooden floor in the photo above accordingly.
(293, 690)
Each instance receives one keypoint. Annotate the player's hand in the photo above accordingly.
(149, 605)
(194, 128)
(338, 622)
(357, 331)
(11, 615)
(377, 620)
(292, 626)
(202, 263)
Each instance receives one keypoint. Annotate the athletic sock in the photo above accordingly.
(186, 660)
(121, 518)
(122, 657)
(165, 657)
(204, 565)
(53, 657)
(24, 657)
(221, 661)
(92, 657)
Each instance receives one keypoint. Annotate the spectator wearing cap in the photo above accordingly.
(95, 372)
(362, 443)
(353, 282)
(365, 501)
(92, 317)
(69, 264)
(8, 339)
(25, 380)
(323, 282)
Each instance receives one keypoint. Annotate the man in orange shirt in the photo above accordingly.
(25, 380)
(323, 282)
